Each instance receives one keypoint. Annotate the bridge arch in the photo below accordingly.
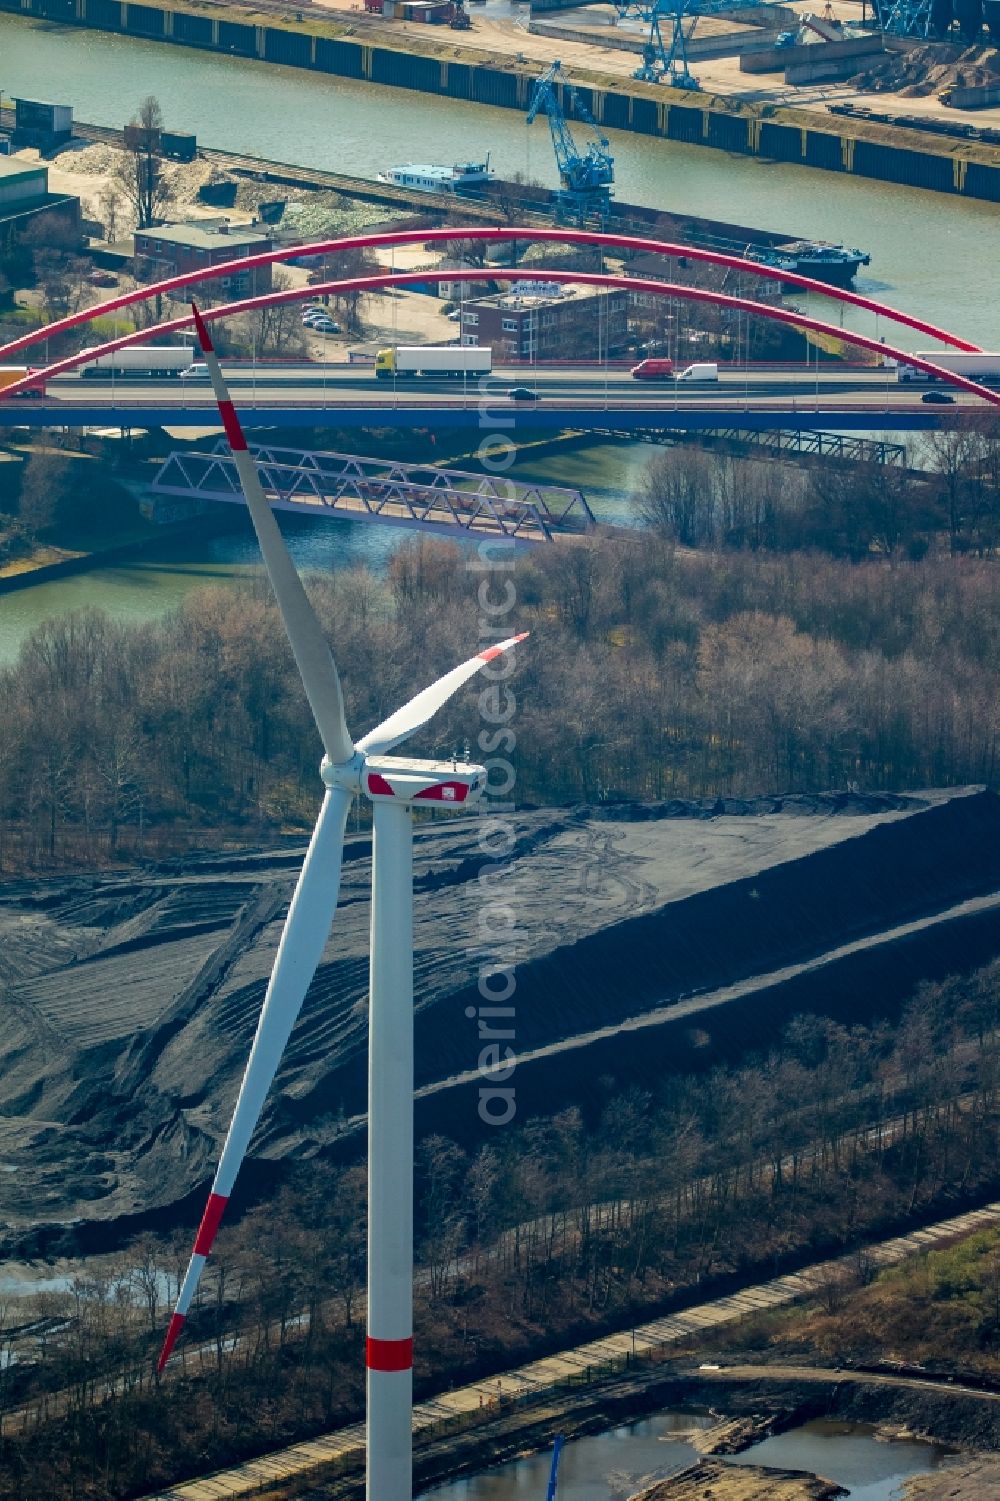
(617, 281)
(487, 235)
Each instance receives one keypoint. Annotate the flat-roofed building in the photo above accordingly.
(175, 249)
(24, 195)
(540, 322)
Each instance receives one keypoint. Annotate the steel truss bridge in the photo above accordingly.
(800, 442)
(408, 495)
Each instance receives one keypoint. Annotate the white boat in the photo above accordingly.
(433, 179)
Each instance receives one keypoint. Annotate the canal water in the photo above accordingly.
(156, 581)
(934, 255)
(613, 1466)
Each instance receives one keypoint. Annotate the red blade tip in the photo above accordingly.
(173, 1330)
(203, 338)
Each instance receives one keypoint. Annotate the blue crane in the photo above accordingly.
(550, 1494)
(586, 177)
(662, 61)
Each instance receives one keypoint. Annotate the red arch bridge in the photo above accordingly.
(845, 397)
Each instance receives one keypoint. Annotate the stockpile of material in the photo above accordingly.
(932, 69)
(713, 1481)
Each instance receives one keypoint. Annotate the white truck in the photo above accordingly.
(700, 372)
(974, 365)
(169, 360)
(432, 359)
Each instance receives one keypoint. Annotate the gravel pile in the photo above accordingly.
(647, 941)
(932, 69)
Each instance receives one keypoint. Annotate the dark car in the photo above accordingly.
(522, 393)
(938, 399)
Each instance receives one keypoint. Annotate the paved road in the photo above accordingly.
(540, 1376)
(589, 385)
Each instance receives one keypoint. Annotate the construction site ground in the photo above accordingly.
(621, 1376)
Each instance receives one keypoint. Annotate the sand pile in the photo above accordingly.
(932, 69)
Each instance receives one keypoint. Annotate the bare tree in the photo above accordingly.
(139, 171)
(110, 203)
(277, 330)
(42, 485)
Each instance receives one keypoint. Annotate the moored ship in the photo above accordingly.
(825, 262)
(428, 178)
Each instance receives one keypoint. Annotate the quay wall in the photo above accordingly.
(832, 145)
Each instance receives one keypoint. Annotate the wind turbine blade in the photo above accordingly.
(415, 714)
(299, 952)
(313, 657)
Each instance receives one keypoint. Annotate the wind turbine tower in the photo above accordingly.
(395, 785)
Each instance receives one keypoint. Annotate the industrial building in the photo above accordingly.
(24, 195)
(543, 322)
(174, 249)
(39, 123)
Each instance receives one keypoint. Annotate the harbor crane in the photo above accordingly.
(586, 177)
(906, 17)
(669, 60)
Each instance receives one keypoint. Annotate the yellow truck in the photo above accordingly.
(11, 374)
(441, 360)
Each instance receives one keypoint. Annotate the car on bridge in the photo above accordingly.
(523, 393)
(937, 399)
(653, 369)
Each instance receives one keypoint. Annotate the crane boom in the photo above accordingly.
(586, 176)
(660, 60)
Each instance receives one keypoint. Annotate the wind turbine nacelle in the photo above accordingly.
(433, 784)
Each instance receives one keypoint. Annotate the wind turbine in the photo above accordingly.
(395, 785)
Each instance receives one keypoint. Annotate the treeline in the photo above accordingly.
(703, 497)
(547, 1234)
(649, 674)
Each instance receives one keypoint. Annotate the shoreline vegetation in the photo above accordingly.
(721, 672)
(564, 1229)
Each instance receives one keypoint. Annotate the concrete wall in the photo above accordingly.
(782, 58)
(729, 44)
(827, 68)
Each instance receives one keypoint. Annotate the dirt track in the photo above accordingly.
(129, 1000)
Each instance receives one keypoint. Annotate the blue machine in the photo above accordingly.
(550, 1494)
(586, 177)
(667, 61)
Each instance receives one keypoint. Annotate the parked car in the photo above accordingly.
(523, 393)
(938, 399)
(101, 278)
(323, 326)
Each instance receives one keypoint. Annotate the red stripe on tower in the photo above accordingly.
(230, 421)
(204, 338)
(214, 1210)
(173, 1330)
(389, 1354)
(492, 652)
